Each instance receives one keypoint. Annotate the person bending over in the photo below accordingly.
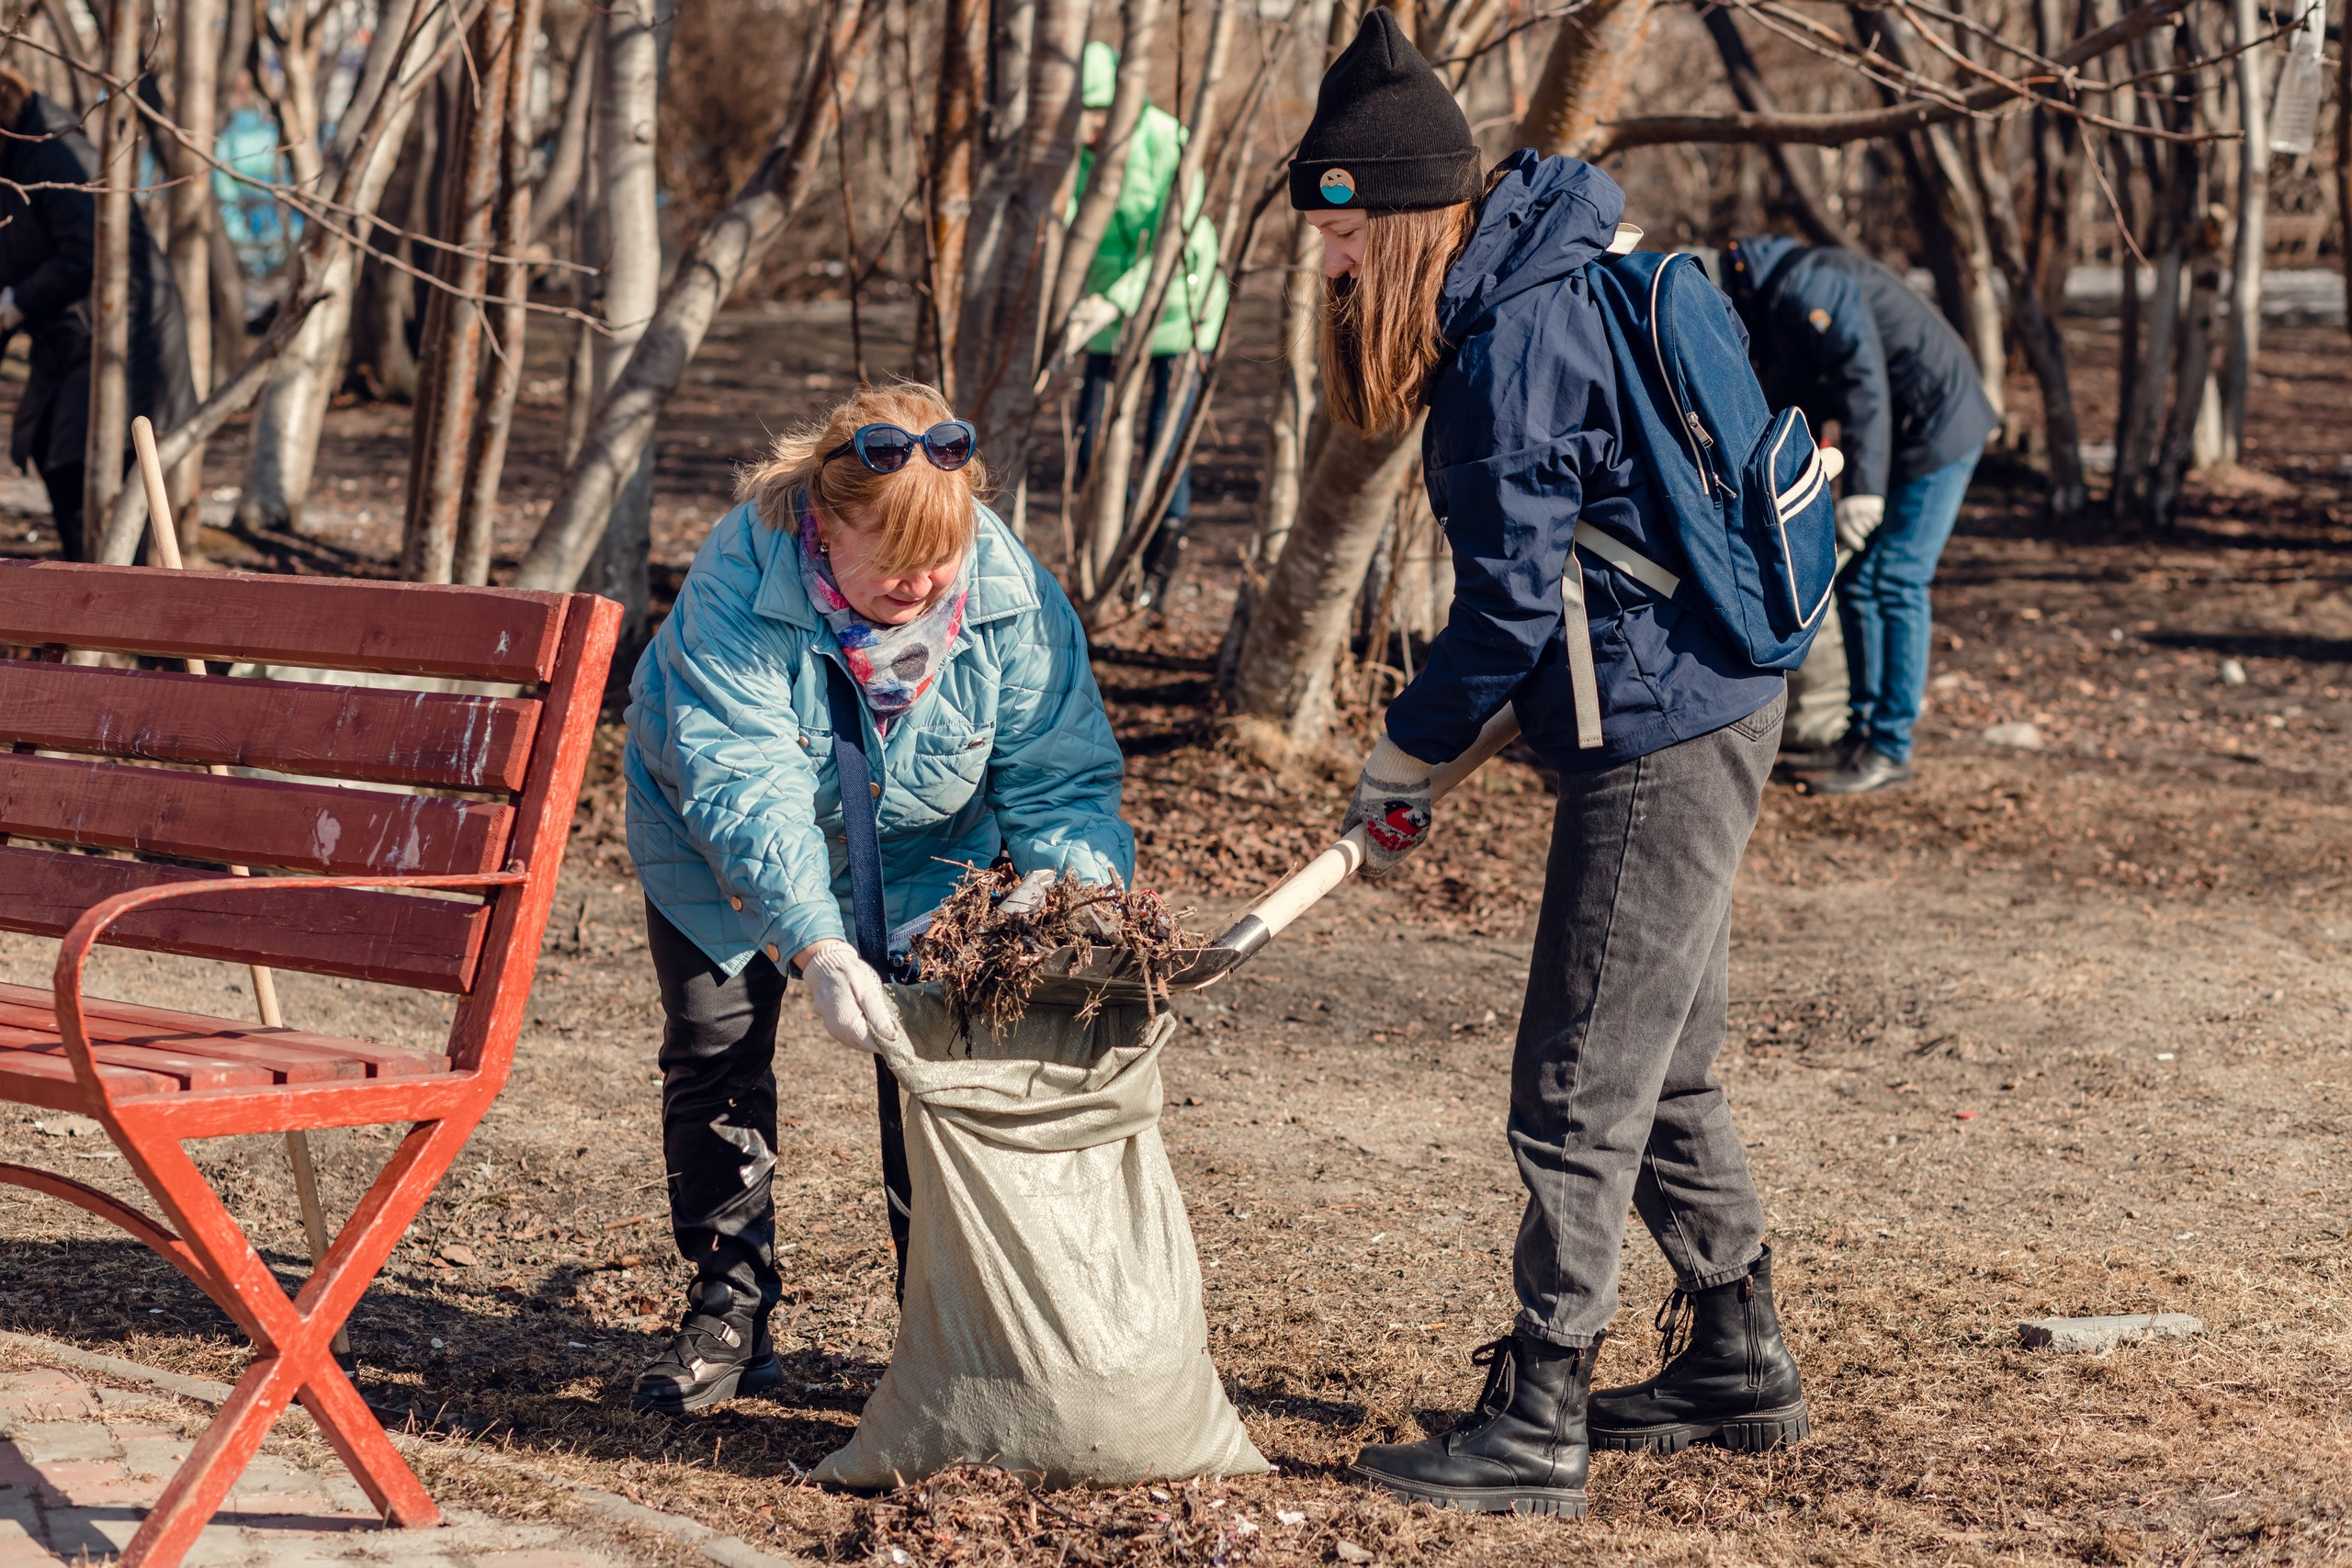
(1845, 339)
(862, 544)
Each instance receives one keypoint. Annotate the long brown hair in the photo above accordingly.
(1380, 342)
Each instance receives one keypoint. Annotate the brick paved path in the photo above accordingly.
(80, 1464)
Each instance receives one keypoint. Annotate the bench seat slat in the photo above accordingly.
(404, 628)
(428, 944)
(313, 828)
(199, 1052)
(32, 1078)
(404, 738)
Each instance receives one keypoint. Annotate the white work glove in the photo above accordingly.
(1392, 801)
(1858, 518)
(10, 317)
(1028, 896)
(851, 999)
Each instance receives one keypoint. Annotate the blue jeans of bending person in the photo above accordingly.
(1882, 606)
(1613, 1093)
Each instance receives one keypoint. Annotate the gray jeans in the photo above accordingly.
(1613, 1094)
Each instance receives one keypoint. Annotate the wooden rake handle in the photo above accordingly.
(1300, 891)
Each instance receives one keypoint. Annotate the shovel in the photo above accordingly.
(1074, 978)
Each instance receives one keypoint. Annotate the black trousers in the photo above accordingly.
(63, 483)
(719, 1107)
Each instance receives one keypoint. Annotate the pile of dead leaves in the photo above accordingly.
(989, 961)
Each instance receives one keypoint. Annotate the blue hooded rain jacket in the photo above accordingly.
(1524, 438)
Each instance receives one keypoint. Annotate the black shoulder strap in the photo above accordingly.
(850, 765)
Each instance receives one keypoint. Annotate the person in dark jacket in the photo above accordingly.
(1844, 338)
(1614, 1098)
(47, 230)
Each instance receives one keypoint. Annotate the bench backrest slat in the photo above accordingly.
(427, 944)
(407, 628)
(406, 738)
(256, 822)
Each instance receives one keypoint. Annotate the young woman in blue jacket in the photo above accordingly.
(860, 544)
(1463, 303)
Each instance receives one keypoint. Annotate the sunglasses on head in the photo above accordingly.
(886, 448)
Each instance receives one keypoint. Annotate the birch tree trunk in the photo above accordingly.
(1138, 34)
(195, 98)
(446, 383)
(291, 409)
(110, 283)
(622, 425)
(2253, 211)
(1014, 245)
(629, 227)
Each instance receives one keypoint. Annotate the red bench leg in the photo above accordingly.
(293, 1336)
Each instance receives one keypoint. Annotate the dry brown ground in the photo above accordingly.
(2062, 1031)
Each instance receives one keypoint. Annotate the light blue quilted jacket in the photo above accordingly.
(734, 806)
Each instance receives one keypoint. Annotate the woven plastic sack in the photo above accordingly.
(1052, 1321)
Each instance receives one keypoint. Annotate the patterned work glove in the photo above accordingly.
(1392, 801)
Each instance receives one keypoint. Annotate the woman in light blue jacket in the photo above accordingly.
(861, 545)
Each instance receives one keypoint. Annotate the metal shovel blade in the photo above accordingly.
(1112, 977)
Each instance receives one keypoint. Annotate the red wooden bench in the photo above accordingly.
(442, 886)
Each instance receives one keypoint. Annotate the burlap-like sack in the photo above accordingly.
(1052, 1321)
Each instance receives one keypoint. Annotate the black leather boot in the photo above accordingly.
(1725, 1375)
(722, 1351)
(1520, 1451)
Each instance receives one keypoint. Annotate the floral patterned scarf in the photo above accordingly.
(893, 666)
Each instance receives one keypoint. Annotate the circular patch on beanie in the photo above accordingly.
(1339, 186)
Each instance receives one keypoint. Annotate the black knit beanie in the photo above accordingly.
(1386, 136)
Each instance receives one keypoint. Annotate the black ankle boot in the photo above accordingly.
(722, 1351)
(1727, 1375)
(1520, 1451)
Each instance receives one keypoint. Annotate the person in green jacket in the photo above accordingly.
(1118, 279)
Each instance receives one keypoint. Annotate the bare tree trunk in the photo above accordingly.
(291, 410)
(477, 517)
(77, 45)
(195, 96)
(1799, 167)
(630, 233)
(2253, 211)
(1282, 678)
(1585, 77)
(2174, 171)
(446, 385)
(2036, 328)
(622, 426)
(1293, 411)
(111, 282)
(955, 150)
(571, 154)
(2195, 370)
(320, 263)
(1014, 244)
(1953, 217)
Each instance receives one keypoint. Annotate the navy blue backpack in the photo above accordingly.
(1748, 489)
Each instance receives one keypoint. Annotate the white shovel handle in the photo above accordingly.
(1298, 892)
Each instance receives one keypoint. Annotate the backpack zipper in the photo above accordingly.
(1701, 444)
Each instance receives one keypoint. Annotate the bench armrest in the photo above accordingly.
(73, 948)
